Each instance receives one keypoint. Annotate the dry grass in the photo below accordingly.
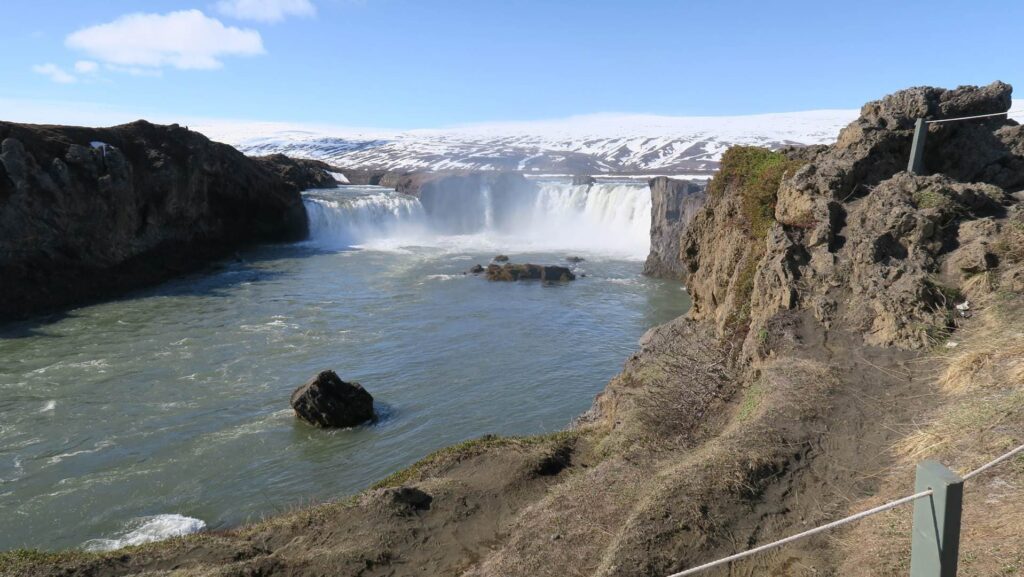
(980, 416)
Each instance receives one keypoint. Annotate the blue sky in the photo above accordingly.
(430, 63)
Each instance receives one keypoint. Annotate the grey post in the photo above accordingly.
(916, 164)
(936, 540)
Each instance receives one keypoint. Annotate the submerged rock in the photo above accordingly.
(514, 272)
(328, 401)
(575, 259)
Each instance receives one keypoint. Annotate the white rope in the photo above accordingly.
(1008, 112)
(815, 531)
(993, 463)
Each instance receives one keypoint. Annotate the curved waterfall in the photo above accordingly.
(611, 219)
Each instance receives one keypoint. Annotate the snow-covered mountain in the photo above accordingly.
(594, 144)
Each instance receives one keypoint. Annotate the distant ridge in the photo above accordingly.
(592, 144)
(588, 144)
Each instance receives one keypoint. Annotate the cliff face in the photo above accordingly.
(674, 203)
(87, 213)
(302, 173)
(843, 232)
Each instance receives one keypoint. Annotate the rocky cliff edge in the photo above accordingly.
(88, 213)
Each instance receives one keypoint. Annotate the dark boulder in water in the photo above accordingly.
(477, 269)
(328, 401)
(514, 272)
(575, 259)
(501, 258)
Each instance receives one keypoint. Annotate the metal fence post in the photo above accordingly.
(936, 534)
(916, 163)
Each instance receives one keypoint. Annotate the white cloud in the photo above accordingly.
(187, 40)
(56, 73)
(265, 10)
(86, 67)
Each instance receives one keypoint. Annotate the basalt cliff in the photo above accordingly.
(88, 213)
(674, 203)
(849, 319)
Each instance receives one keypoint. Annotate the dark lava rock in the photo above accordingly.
(89, 213)
(301, 173)
(328, 401)
(514, 272)
(575, 259)
(477, 269)
(410, 497)
(501, 258)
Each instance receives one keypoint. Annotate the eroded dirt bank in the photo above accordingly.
(824, 356)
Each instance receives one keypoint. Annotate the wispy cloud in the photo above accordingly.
(265, 10)
(187, 40)
(86, 67)
(55, 73)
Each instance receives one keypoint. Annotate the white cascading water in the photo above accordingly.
(356, 219)
(611, 219)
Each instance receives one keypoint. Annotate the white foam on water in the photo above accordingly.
(48, 407)
(147, 530)
(96, 448)
(18, 471)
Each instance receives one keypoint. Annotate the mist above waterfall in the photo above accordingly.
(607, 219)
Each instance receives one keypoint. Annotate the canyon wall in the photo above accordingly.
(674, 203)
(88, 213)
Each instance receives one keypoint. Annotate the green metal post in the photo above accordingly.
(916, 164)
(936, 541)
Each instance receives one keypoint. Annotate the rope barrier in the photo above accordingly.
(1008, 112)
(815, 531)
(992, 463)
(844, 521)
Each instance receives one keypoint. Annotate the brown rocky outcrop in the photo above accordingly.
(853, 237)
(674, 203)
(87, 213)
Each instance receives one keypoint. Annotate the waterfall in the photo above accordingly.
(611, 219)
(360, 216)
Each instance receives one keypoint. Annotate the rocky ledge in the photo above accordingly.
(845, 232)
(89, 213)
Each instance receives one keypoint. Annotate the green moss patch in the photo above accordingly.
(756, 173)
